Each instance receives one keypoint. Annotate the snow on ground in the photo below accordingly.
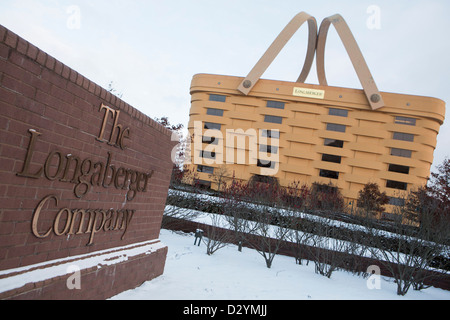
(190, 274)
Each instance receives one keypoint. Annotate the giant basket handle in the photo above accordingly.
(353, 50)
(283, 38)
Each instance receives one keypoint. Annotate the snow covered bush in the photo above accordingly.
(253, 211)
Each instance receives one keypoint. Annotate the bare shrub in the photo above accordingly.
(216, 236)
(299, 235)
(256, 217)
(415, 246)
(329, 252)
(181, 199)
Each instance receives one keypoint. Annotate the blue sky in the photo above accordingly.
(151, 49)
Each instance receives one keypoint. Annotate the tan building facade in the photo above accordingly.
(312, 134)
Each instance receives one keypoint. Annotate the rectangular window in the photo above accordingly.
(336, 127)
(212, 126)
(207, 154)
(406, 121)
(203, 184)
(273, 119)
(401, 153)
(334, 143)
(210, 140)
(403, 136)
(217, 97)
(338, 112)
(264, 179)
(215, 112)
(329, 174)
(398, 169)
(331, 158)
(399, 202)
(396, 185)
(274, 134)
(325, 188)
(275, 104)
(268, 149)
(205, 169)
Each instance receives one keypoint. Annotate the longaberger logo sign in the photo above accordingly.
(309, 93)
(84, 174)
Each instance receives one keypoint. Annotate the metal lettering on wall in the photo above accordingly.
(86, 173)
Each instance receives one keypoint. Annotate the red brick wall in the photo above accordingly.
(40, 93)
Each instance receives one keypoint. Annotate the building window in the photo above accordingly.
(268, 149)
(398, 169)
(406, 121)
(274, 134)
(338, 112)
(329, 174)
(331, 158)
(398, 202)
(392, 217)
(266, 164)
(401, 153)
(207, 154)
(203, 184)
(325, 188)
(275, 104)
(205, 169)
(215, 112)
(336, 127)
(217, 97)
(396, 185)
(212, 126)
(334, 143)
(263, 179)
(403, 136)
(273, 119)
(210, 140)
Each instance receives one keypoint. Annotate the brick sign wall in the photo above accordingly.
(81, 171)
